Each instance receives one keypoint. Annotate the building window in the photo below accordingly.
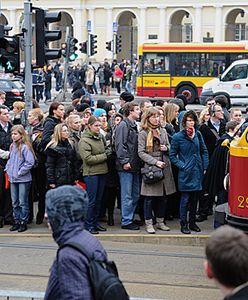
(152, 36)
(240, 31)
(187, 33)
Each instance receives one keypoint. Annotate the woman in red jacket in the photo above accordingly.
(118, 75)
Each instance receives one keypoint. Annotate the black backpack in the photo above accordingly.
(105, 282)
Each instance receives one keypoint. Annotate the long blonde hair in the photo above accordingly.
(169, 110)
(23, 140)
(145, 118)
(57, 136)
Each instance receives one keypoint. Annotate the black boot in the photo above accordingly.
(15, 226)
(111, 220)
(185, 228)
(23, 227)
(1, 222)
(194, 227)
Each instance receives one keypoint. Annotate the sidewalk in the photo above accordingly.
(116, 234)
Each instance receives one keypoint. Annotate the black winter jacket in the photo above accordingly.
(60, 164)
(5, 142)
(49, 125)
(209, 137)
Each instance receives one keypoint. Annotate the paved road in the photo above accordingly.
(155, 271)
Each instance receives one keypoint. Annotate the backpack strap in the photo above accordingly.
(77, 247)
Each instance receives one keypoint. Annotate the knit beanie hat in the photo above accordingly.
(128, 97)
(100, 103)
(82, 107)
(98, 112)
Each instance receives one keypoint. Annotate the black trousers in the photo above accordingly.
(39, 189)
(6, 213)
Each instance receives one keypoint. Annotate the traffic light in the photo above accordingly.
(72, 48)
(9, 51)
(63, 49)
(117, 44)
(109, 46)
(83, 47)
(93, 46)
(44, 35)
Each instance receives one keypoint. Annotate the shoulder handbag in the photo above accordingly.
(152, 174)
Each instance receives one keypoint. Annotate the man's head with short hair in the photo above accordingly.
(4, 114)
(2, 96)
(221, 100)
(129, 107)
(145, 105)
(231, 126)
(210, 101)
(227, 257)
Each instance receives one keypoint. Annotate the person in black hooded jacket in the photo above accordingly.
(61, 155)
(56, 115)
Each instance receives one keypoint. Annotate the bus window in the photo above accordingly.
(187, 64)
(212, 64)
(156, 63)
(237, 56)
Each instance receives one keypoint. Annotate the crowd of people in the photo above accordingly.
(96, 79)
(157, 160)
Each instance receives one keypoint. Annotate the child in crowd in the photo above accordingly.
(18, 168)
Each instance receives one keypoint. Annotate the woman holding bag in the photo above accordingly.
(153, 149)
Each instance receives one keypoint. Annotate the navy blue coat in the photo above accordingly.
(191, 158)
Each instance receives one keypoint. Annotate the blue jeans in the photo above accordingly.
(130, 192)
(156, 204)
(19, 195)
(188, 202)
(95, 187)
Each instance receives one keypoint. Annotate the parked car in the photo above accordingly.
(233, 83)
(14, 89)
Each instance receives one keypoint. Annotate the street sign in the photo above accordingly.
(89, 25)
(115, 26)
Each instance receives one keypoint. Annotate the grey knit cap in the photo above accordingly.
(66, 204)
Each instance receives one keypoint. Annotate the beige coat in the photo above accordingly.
(167, 184)
(89, 75)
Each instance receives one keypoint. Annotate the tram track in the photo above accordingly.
(133, 282)
(117, 251)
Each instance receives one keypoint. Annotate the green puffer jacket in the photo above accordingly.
(93, 153)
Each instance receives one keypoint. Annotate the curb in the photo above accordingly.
(171, 239)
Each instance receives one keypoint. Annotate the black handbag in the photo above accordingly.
(152, 174)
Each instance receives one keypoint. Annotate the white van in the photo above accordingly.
(233, 83)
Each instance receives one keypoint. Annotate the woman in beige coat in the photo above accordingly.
(153, 149)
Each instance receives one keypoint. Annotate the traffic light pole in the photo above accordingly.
(66, 65)
(27, 30)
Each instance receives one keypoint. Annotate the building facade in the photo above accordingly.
(139, 21)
